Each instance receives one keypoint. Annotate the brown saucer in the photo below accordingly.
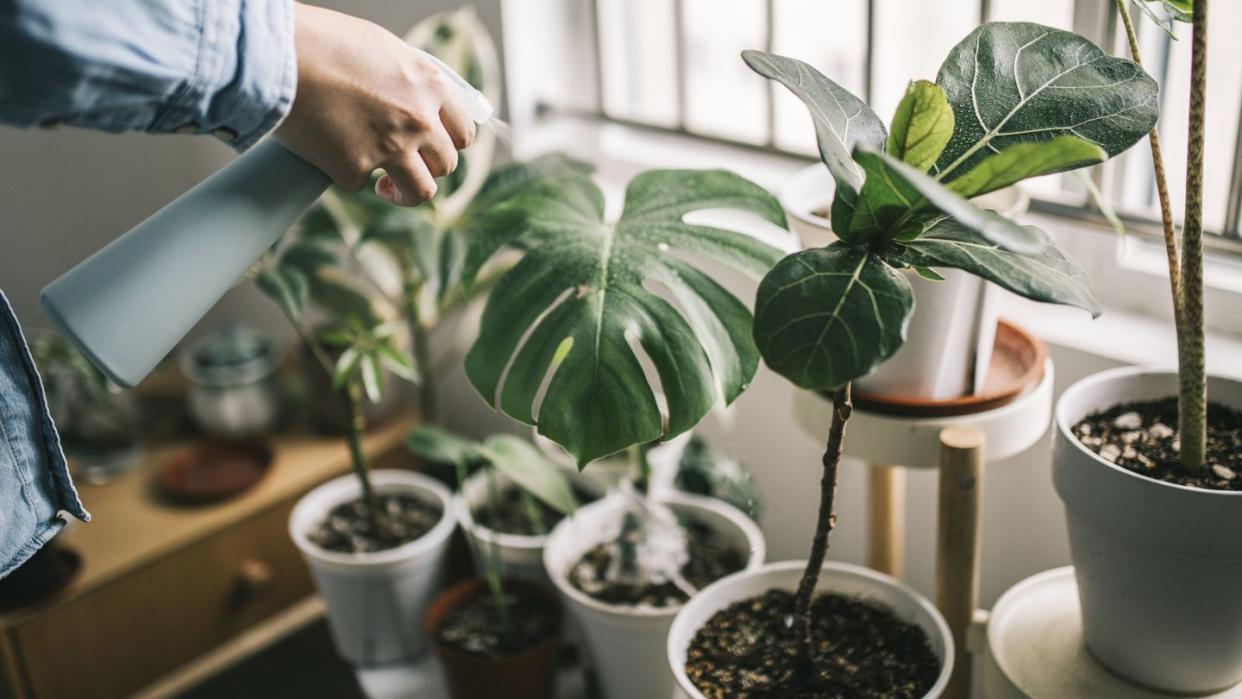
(1017, 365)
(212, 471)
(50, 570)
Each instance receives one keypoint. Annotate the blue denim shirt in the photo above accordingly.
(220, 67)
(35, 488)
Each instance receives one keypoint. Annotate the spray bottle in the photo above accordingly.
(129, 304)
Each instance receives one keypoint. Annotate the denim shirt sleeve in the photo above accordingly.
(222, 67)
(35, 487)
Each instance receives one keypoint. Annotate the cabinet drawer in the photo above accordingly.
(130, 632)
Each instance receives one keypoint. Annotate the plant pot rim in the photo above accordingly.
(346, 487)
(880, 579)
(559, 576)
(1084, 385)
(465, 589)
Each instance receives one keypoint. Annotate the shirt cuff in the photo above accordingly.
(245, 77)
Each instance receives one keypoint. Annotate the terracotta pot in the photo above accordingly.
(530, 674)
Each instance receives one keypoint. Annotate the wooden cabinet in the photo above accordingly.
(162, 586)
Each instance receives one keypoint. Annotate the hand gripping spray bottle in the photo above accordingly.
(129, 304)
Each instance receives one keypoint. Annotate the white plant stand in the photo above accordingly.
(1032, 648)
(958, 446)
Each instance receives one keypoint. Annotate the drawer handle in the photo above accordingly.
(253, 577)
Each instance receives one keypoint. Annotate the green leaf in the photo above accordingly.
(505, 182)
(287, 287)
(343, 298)
(346, 365)
(1044, 275)
(842, 121)
(398, 362)
(318, 224)
(1023, 160)
(594, 284)
(531, 471)
(307, 257)
(928, 273)
(372, 380)
(922, 125)
(441, 446)
(827, 316)
(710, 472)
(894, 187)
(1016, 82)
(1177, 10)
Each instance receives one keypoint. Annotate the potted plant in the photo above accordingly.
(1149, 471)
(498, 633)
(561, 345)
(827, 316)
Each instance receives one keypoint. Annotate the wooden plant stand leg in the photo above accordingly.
(886, 509)
(957, 543)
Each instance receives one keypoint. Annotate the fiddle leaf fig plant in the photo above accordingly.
(1012, 101)
(589, 295)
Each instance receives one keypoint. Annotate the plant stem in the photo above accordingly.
(531, 507)
(355, 427)
(841, 409)
(493, 570)
(1162, 182)
(642, 481)
(1192, 372)
(428, 395)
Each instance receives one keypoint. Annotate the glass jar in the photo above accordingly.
(234, 390)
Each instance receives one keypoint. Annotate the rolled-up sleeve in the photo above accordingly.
(220, 67)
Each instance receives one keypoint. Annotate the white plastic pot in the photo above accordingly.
(626, 644)
(376, 600)
(949, 343)
(842, 578)
(520, 554)
(1159, 566)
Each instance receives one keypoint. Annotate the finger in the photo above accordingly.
(439, 153)
(457, 122)
(406, 183)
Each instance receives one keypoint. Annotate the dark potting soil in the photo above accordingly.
(749, 650)
(712, 557)
(1142, 437)
(401, 519)
(511, 514)
(477, 627)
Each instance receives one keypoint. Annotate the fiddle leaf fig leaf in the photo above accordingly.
(1016, 82)
(1023, 160)
(896, 192)
(842, 121)
(1044, 275)
(922, 125)
(585, 288)
(531, 471)
(826, 316)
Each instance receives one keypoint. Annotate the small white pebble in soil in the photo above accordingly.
(1160, 431)
(1147, 463)
(1129, 453)
(1110, 452)
(1128, 421)
(1224, 472)
(1092, 441)
(1131, 437)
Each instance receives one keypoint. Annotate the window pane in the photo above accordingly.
(636, 42)
(1053, 13)
(724, 97)
(832, 36)
(912, 39)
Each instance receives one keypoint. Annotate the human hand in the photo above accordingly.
(367, 100)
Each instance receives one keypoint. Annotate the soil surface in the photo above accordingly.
(748, 650)
(477, 627)
(712, 557)
(401, 518)
(512, 513)
(1142, 437)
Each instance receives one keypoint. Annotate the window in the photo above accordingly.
(673, 65)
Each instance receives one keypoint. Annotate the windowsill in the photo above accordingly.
(1128, 276)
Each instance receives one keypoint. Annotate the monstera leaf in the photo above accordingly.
(1016, 82)
(842, 121)
(585, 289)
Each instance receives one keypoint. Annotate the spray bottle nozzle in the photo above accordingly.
(481, 110)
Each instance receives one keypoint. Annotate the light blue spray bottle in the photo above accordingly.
(129, 304)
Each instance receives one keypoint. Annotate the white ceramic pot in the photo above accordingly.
(949, 342)
(1159, 566)
(842, 578)
(376, 600)
(520, 554)
(626, 644)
